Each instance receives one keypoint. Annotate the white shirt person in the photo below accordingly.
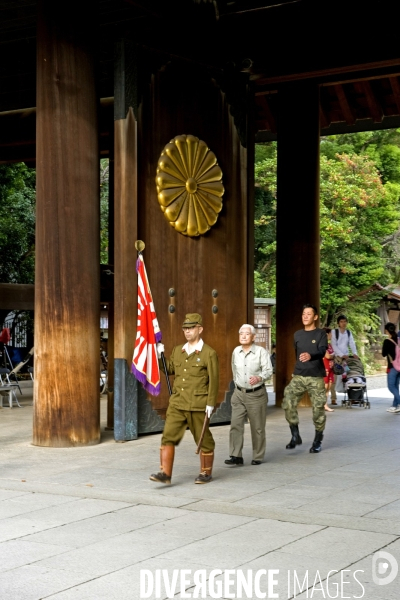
(251, 367)
(342, 339)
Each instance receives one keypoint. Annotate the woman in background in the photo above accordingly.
(328, 363)
(393, 376)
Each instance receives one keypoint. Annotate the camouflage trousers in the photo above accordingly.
(293, 393)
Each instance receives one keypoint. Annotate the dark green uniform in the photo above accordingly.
(195, 387)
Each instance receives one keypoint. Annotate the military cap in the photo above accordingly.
(192, 319)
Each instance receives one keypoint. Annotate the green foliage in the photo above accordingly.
(382, 147)
(356, 216)
(265, 221)
(104, 182)
(17, 223)
(390, 163)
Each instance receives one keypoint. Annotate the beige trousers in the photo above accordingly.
(254, 407)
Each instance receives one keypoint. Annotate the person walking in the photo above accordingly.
(393, 376)
(329, 378)
(310, 345)
(342, 339)
(343, 345)
(195, 391)
(251, 367)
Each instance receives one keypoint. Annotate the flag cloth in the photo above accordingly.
(145, 361)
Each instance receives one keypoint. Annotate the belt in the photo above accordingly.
(247, 391)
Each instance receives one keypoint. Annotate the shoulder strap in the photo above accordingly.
(337, 333)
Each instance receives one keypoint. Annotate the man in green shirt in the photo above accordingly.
(195, 391)
(310, 345)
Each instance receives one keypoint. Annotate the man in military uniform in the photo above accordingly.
(310, 345)
(195, 390)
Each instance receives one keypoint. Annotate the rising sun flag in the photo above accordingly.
(145, 361)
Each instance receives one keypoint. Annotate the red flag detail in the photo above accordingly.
(145, 361)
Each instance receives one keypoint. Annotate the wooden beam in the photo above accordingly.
(330, 72)
(395, 85)
(322, 117)
(344, 105)
(267, 113)
(373, 104)
(67, 274)
(17, 296)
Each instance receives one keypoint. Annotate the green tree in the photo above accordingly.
(357, 215)
(104, 183)
(17, 223)
(265, 221)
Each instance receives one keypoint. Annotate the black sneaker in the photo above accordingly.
(203, 478)
(161, 478)
(234, 460)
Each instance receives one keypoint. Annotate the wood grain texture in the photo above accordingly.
(178, 101)
(125, 235)
(298, 242)
(17, 296)
(67, 279)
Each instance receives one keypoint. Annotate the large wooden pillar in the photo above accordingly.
(67, 299)
(298, 243)
(110, 344)
(125, 235)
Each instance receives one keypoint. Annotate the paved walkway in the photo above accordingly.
(82, 523)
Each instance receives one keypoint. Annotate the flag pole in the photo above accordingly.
(166, 373)
(140, 246)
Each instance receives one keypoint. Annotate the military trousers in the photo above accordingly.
(293, 393)
(254, 406)
(178, 421)
(333, 389)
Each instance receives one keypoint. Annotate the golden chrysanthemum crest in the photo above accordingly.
(189, 185)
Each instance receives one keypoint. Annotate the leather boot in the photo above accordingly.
(206, 465)
(317, 443)
(296, 439)
(167, 454)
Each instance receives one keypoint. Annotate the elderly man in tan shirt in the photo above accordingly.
(251, 367)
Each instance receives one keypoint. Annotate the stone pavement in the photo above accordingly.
(83, 523)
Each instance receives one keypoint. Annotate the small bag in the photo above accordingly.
(338, 368)
(396, 361)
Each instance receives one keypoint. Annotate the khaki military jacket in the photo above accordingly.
(196, 378)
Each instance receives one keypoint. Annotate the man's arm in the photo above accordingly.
(233, 366)
(352, 344)
(266, 365)
(169, 363)
(213, 378)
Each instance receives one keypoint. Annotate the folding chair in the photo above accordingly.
(8, 389)
(13, 371)
(4, 373)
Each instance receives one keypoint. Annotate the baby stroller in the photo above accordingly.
(355, 384)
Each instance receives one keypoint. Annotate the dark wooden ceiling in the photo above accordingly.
(351, 52)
